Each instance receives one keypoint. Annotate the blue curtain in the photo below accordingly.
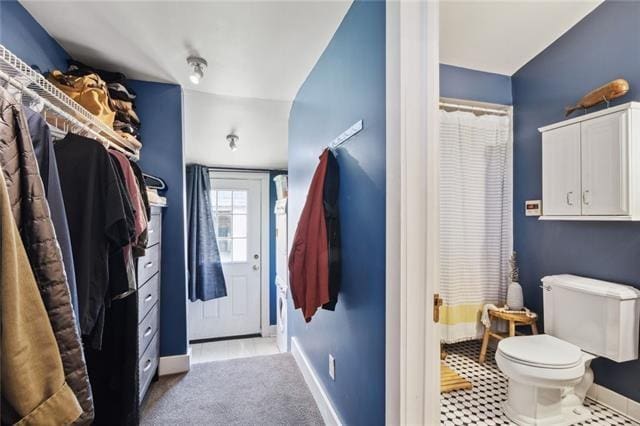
(206, 280)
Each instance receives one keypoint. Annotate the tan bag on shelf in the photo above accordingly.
(90, 91)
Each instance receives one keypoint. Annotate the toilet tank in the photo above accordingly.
(600, 317)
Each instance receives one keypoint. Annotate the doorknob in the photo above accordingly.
(256, 267)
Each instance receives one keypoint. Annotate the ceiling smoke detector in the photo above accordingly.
(233, 142)
(198, 65)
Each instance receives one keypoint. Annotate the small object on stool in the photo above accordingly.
(515, 319)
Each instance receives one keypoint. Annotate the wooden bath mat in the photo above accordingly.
(451, 381)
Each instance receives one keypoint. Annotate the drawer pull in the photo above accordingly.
(150, 230)
(148, 264)
(148, 298)
(147, 331)
(147, 365)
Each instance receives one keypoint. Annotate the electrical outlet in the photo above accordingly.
(332, 367)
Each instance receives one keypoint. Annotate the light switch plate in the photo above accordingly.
(332, 367)
(533, 207)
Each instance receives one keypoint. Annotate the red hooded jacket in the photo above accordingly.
(309, 257)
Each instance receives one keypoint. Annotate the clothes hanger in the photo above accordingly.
(154, 182)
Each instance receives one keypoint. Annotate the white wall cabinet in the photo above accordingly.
(591, 166)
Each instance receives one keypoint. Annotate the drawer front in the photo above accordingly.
(149, 264)
(148, 328)
(154, 229)
(148, 296)
(147, 366)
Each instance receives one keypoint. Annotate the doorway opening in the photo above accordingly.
(237, 325)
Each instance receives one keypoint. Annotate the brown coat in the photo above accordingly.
(31, 215)
(309, 258)
(34, 390)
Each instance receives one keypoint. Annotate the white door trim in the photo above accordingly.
(412, 338)
(263, 177)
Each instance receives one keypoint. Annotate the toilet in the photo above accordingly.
(550, 374)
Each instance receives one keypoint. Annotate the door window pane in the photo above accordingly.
(223, 225)
(240, 250)
(225, 245)
(224, 201)
(213, 200)
(239, 226)
(239, 202)
(230, 209)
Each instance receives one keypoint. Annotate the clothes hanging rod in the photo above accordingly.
(35, 86)
(243, 169)
(495, 111)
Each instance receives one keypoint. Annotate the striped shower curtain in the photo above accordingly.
(475, 218)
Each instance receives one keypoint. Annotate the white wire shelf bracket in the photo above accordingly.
(35, 87)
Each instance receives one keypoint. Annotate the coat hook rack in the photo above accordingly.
(346, 135)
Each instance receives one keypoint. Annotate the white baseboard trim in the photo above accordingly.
(270, 331)
(174, 364)
(328, 412)
(615, 401)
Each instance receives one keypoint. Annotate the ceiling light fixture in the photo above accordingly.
(233, 142)
(198, 65)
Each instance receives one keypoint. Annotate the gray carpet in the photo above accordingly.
(263, 390)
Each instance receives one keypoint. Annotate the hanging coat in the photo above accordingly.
(34, 389)
(31, 215)
(309, 257)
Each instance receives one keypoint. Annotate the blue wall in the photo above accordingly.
(464, 83)
(603, 46)
(24, 37)
(346, 85)
(159, 106)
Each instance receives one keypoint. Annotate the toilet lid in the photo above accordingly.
(541, 350)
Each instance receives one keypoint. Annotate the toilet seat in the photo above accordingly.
(541, 351)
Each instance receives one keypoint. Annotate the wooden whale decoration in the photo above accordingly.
(613, 89)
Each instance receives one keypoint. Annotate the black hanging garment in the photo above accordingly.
(100, 224)
(332, 221)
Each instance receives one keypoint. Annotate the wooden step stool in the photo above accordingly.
(515, 319)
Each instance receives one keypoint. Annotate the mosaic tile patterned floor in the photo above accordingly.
(481, 406)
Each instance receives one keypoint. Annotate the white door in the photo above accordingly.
(561, 187)
(604, 165)
(236, 212)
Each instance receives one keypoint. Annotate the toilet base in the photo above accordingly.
(530, 405)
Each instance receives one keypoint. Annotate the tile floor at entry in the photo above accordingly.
(482, 405)
(231, 349)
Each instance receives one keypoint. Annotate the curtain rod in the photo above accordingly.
(240, 169)
(495, 111)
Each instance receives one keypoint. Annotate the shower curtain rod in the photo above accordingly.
(495, 111)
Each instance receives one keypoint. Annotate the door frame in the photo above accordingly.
(265, 255)
(412, 205)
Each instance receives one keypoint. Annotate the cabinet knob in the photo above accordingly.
(585, 198)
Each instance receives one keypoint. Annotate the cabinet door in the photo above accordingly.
(561, 171)
(605, 165)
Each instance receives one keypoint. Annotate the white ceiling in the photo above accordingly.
(256, 49)
(260, 124)
(502, 36)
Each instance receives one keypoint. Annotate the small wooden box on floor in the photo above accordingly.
(514, 320)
